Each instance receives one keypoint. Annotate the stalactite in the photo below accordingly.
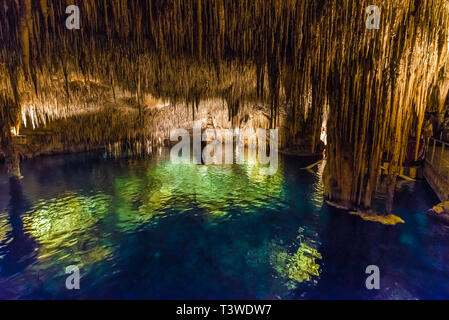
(293, 57)
(376, 93)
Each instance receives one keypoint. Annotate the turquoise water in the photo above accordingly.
(149, 229)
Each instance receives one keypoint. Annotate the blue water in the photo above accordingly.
(146, 228)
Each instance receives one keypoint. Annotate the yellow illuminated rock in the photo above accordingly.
(389, 219)
(441, 208)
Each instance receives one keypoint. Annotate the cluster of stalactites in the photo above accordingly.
(116, 36)
(299, 57)
(378, 83)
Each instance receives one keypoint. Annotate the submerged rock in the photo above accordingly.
(389, 219)
(368, 215)
(440, 211)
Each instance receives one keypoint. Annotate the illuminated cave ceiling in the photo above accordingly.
(292, 59)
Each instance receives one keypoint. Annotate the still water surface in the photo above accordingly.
(146, 228)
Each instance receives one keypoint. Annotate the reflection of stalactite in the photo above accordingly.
(19, 251)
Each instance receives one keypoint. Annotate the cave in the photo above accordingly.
(215, 149)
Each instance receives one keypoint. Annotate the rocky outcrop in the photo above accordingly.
(440, 211)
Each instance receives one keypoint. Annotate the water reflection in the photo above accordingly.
(165, 187)
(17, 247)
(297, 267)
(145, 228)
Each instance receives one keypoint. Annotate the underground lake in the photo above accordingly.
(146, 228)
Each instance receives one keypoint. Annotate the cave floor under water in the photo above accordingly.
(150, 229)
